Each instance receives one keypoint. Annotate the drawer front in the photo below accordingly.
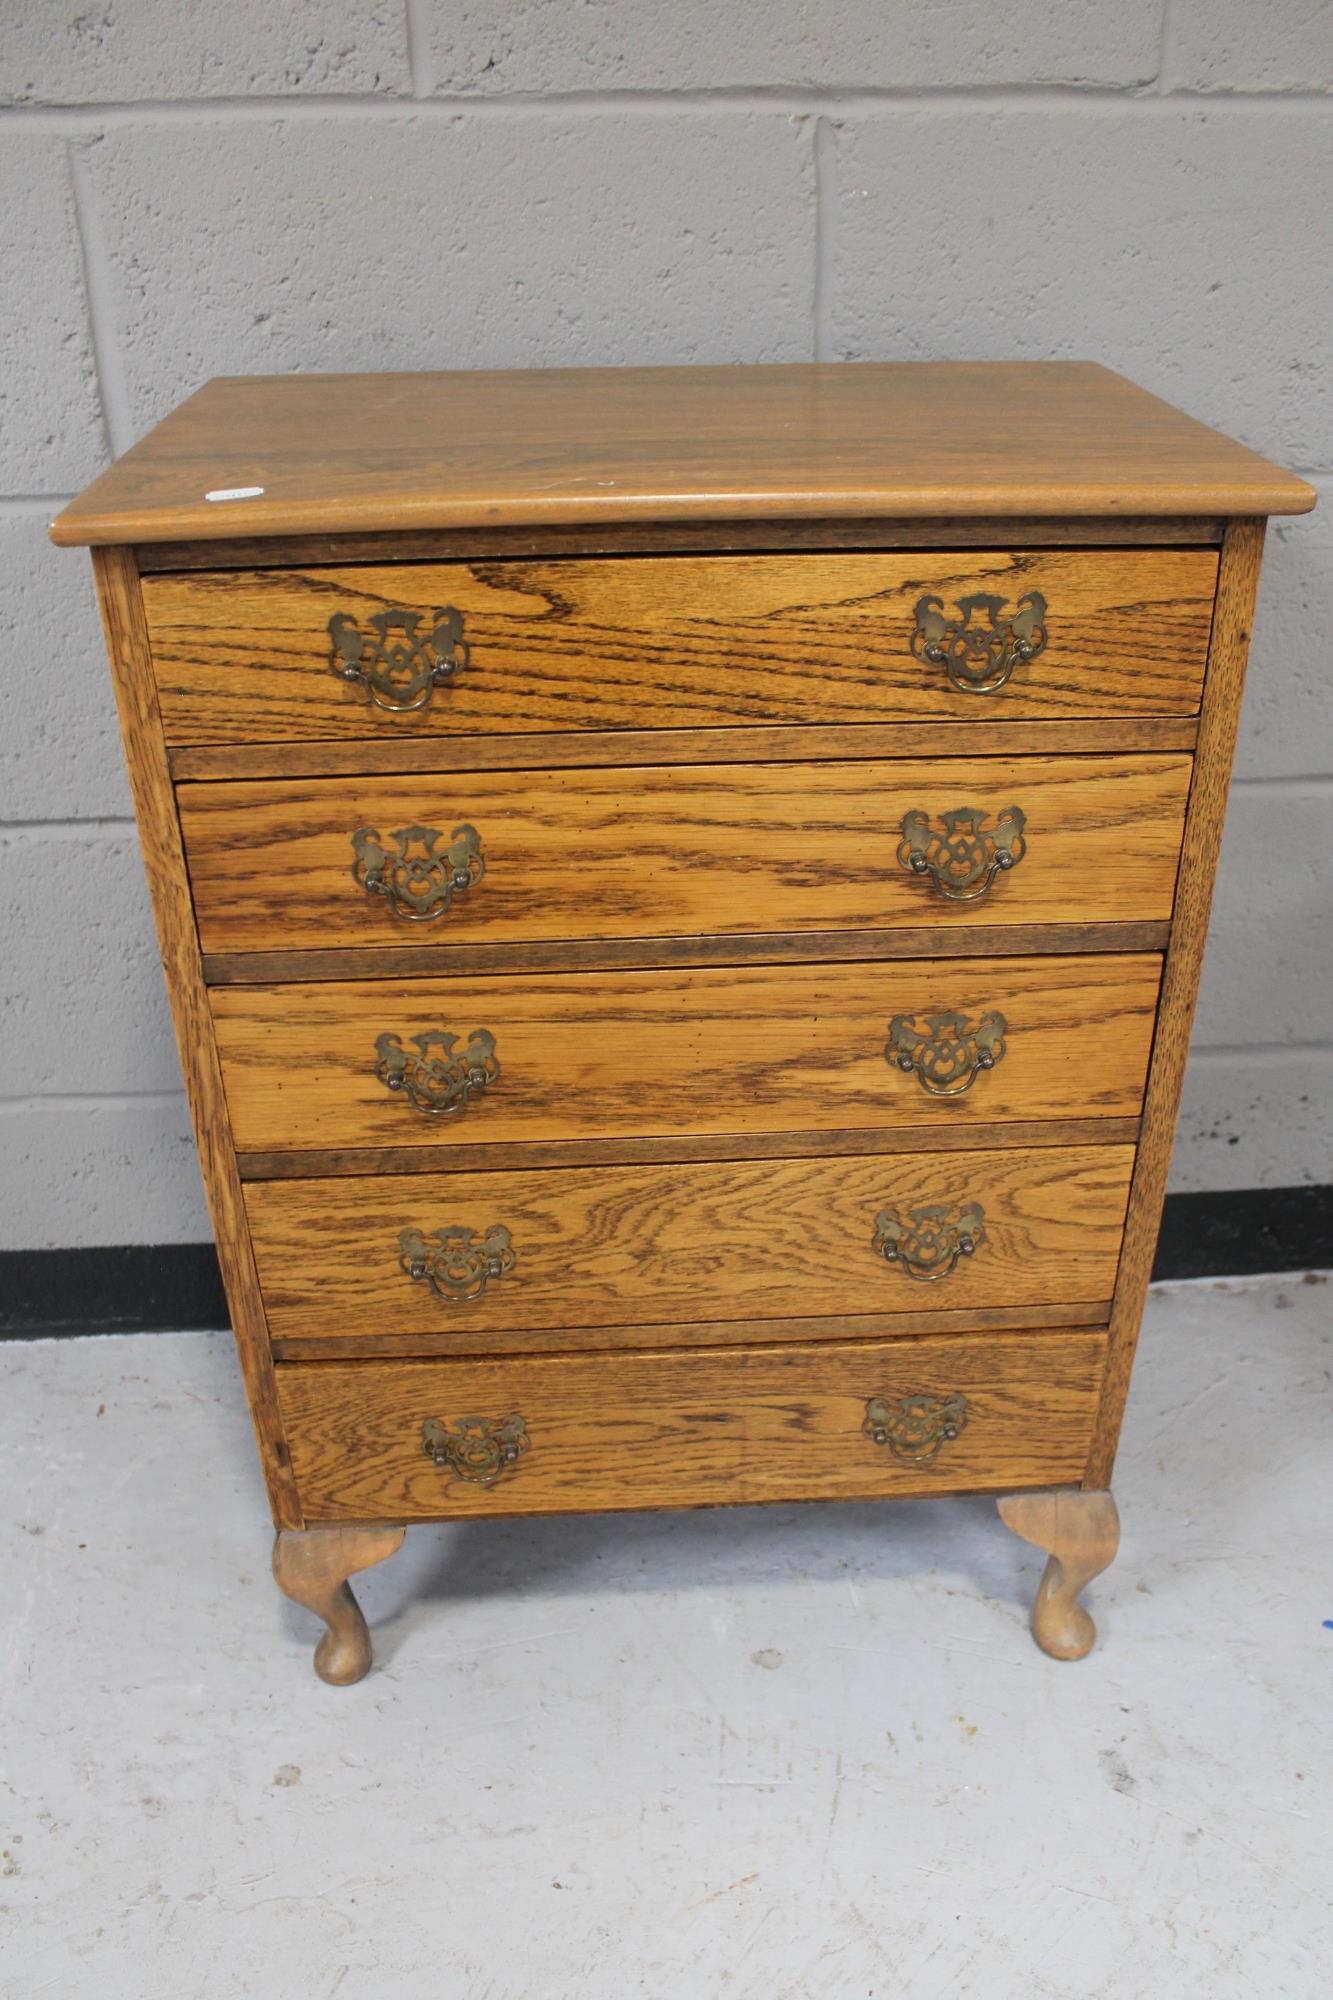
(496, 1259)
(456, 1063)
(503, 856)
(650, 642)
(577, 1434)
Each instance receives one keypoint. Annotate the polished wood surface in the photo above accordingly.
(687, 732)
(715, 1051)
(804, 744)
(322, 1162)
(357, 453)
(730, 1239)
(1238, 584)
(1081, 1532)
(479, 961)
(660, 851)
(689, 1429)
(164, 864)
(312, 1567)
(678, 642)
(444, 1344)
(623, 538)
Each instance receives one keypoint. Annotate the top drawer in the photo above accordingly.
(655, 642)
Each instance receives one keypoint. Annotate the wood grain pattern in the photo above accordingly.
(681, 1054)
(998, 1321)
(661, 851)
(688, 732)
(248, 968)
(164, 864)
(689, 1429)
(338, 454)
(806, 744)
(321, 1162)
(621, 538)
(613, 1246)
(311, 1566)
(1081, 1531)
(672, 642)
(1242, 553)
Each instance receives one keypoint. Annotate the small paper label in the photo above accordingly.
(234, 493)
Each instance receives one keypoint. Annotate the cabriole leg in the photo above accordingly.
(312, 1565)
(1081, 1533)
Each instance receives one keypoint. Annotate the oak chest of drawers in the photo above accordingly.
(682, 893)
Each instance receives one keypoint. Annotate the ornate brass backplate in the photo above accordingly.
(915, 1427)
(456, 1263)
(965, 858)
(408, 868)
(947, 1051)
(979, 658)
(437, 1079)
(926, 1243)
(396, 666)
(478, 1449)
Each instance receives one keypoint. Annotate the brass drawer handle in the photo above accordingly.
(436, 1079)
(454, 1262)
(478, 1449)
(965, 858)
(395, 666)
(915, 1427)
(978, 658)
(947, 1053)
(927, 1242)
(418, 882)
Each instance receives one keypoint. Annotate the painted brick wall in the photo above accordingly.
(371, 184)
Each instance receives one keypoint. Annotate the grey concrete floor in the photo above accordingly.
(761, 1754)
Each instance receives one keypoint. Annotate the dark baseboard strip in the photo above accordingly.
(175, 1286)
(133, 1288)
(1245, 1232)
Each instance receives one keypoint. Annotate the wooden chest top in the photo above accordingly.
(344, 454)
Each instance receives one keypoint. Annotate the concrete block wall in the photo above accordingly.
(413, 184)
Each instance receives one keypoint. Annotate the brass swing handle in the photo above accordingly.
(396, 666)
(456, 1263)
(946, 1052)
(926, 1243)
(915, 1427)
(979, 658)
(416, 875)
(962, 855)
(478, 1449)
(434, 1076)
